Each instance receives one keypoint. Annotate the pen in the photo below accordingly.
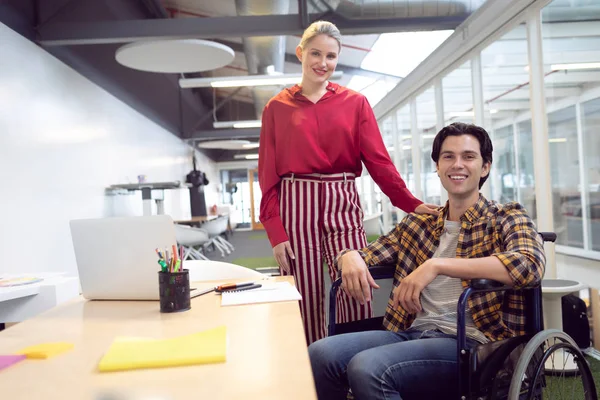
(225, 287)
(254, 286)
(232, 286)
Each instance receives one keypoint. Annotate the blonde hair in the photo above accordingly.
(321, 28)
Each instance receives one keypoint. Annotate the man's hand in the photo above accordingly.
(281, 253)
(408, 292)
(356, 279)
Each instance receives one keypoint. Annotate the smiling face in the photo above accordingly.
(319, 59)
(460, 166)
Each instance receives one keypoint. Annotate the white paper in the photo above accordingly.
(268, 293)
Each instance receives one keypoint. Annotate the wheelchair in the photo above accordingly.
(540, 365)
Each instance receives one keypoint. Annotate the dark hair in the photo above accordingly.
(458, 129)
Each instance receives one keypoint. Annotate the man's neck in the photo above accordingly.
(310, 89)
(458, 205)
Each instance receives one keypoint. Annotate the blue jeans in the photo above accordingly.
(386, 365)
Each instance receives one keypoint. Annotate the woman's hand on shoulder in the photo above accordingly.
(427, 209)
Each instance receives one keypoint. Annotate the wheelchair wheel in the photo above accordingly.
(552, 367)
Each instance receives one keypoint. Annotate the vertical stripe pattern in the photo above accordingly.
(321, 218)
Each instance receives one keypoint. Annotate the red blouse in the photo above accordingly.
(331, 136)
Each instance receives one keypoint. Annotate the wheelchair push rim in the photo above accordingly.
(533, 379)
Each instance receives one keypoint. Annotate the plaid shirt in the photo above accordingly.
(487, 228)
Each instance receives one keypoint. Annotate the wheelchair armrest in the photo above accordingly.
(548, 236)
(488, 285)
(382, 271)
(376, 271)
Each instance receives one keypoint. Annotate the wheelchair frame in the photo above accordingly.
(468, 377)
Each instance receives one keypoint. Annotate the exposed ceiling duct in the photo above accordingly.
(263, 54)
(398, 8)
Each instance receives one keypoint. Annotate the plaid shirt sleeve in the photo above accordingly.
(523, 254)
(384, 250)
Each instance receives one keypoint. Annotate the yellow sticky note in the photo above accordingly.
(45, 350)
(134, 353)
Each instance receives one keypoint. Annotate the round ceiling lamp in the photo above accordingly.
(225, 144)
(174, 56)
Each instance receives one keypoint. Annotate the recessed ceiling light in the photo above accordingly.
(238, 124)
(224, 144)
(246, 156)
(592, 65)
(247, 80)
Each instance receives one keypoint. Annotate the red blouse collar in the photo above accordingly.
(296, 89)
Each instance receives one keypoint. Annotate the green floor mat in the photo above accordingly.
(595, 367)
(255, 262)
(372, 238)
(551, 391)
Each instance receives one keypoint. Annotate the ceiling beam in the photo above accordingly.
(78, 33)
(303, 13)
(219, 134)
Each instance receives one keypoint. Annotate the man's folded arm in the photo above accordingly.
(382, 251)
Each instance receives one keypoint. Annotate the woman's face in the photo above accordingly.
(319, 58)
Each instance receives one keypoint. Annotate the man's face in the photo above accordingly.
(460, 166)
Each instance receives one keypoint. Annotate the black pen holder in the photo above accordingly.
(174, 291)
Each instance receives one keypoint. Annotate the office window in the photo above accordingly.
(526, 178)
(503, 176)
(591, 143)
(458, 95)
(505, 95)
(235, 190)
(571, 44)
(564, 172)
(386, 133)
(388, 140)
(505, 77)
(366, 193)
(403, 122)
(426, 125)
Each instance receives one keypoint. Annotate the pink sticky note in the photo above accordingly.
(7, 361)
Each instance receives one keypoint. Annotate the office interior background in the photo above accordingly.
(73, 121)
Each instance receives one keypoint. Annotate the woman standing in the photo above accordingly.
(313, 139)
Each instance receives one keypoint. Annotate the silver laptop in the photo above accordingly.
(116, 257)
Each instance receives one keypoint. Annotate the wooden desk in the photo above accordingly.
(267, 356)
(19, 303)
(197, 220)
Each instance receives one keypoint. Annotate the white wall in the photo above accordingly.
(63, 140)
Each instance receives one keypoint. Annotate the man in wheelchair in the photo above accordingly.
(416, 355)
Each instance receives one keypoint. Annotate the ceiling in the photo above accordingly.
(85, 34)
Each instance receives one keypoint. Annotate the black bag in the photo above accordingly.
(575, 320)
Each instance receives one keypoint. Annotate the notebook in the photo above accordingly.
(268, 293)
(127, 353)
